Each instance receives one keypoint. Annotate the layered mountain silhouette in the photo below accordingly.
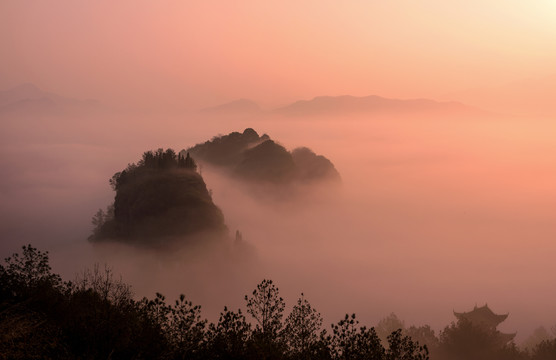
(241, 106)
(160, 197)
(255, 158)
(323, 105)
(28, 98)
(334, 105)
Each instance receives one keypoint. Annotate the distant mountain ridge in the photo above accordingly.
(236, 106)
(322, 105)
(29, 98)
(368, 104)
(21, 92)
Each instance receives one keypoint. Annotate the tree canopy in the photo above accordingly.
(96, 316)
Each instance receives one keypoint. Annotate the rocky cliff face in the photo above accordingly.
(161, 196)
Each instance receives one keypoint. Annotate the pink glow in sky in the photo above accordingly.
(436, 213)
(199, 53)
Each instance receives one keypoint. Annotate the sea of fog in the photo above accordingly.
(435, 214)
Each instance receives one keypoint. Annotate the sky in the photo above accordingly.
(192, 54)
(436, 213)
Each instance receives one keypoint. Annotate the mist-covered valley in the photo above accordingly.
(395, 160)
(435, 212)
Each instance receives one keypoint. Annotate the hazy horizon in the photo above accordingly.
(438, 210)
(175, 54)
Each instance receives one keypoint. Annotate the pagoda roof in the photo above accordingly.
(482, 315)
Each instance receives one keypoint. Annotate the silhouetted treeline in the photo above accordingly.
(160, 196)
(96, 317)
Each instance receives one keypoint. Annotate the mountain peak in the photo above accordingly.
(28, 97)
(322, 105)
(236, 106)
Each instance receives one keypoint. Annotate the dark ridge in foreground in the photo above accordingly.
(255, 158)
(161, 196)
(96, 317)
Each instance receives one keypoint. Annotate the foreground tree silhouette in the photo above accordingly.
(425, 336)
(302, 331)
(402, 347)
(96, 317)
(42, 317)
(267, 307)
(181, 326)
(545, 350)
(27, 275)
(350, 342)
(230, 338)
(387, 326)
(464, 340)
(186, 329)
(29, 294)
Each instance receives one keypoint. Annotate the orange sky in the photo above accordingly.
(198, 53)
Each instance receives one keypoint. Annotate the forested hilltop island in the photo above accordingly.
(163, 197)
(160, 197)
(96, 317)
(259, 159)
